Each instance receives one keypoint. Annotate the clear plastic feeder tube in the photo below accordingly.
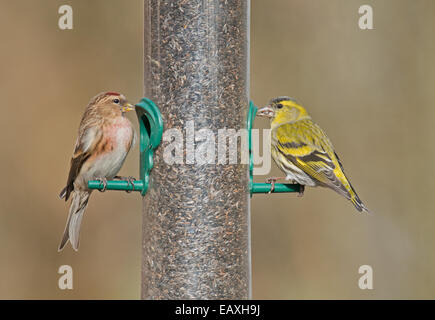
(196, 223)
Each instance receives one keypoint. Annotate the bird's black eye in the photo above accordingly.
(116, 100)
(279, 106)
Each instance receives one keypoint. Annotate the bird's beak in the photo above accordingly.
(266, 111)
(127, 107)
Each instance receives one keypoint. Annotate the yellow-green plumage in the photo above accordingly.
(303, 151)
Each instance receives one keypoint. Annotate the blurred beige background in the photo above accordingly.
(372, 92)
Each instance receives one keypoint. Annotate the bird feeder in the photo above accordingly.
(196, 216)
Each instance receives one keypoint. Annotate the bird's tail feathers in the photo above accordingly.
(359, 205)
(62, 194)
(77, 208)
(350, 194)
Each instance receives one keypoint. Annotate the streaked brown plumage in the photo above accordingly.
(104, 139)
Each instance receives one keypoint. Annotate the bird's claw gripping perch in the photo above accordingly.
(272, 181)
(103, 181)
(272, 184)
(301, 190)
(130, 180)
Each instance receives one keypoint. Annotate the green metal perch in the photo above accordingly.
(118, 185)
(279, 188)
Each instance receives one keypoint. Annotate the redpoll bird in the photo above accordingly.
(105, 137)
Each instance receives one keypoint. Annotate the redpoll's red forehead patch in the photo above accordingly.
(112, 93)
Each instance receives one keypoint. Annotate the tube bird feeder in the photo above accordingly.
(196, 223)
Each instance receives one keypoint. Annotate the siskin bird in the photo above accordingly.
(303, 152)
(104, 139)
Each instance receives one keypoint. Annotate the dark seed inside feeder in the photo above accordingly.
(196, 217)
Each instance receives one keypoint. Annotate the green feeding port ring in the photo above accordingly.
(151, 131)
(262, 187)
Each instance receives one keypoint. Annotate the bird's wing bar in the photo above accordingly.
(310, 154)
(323, 172)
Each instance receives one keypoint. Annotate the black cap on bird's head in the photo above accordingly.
(269, 110)
(280, 99)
